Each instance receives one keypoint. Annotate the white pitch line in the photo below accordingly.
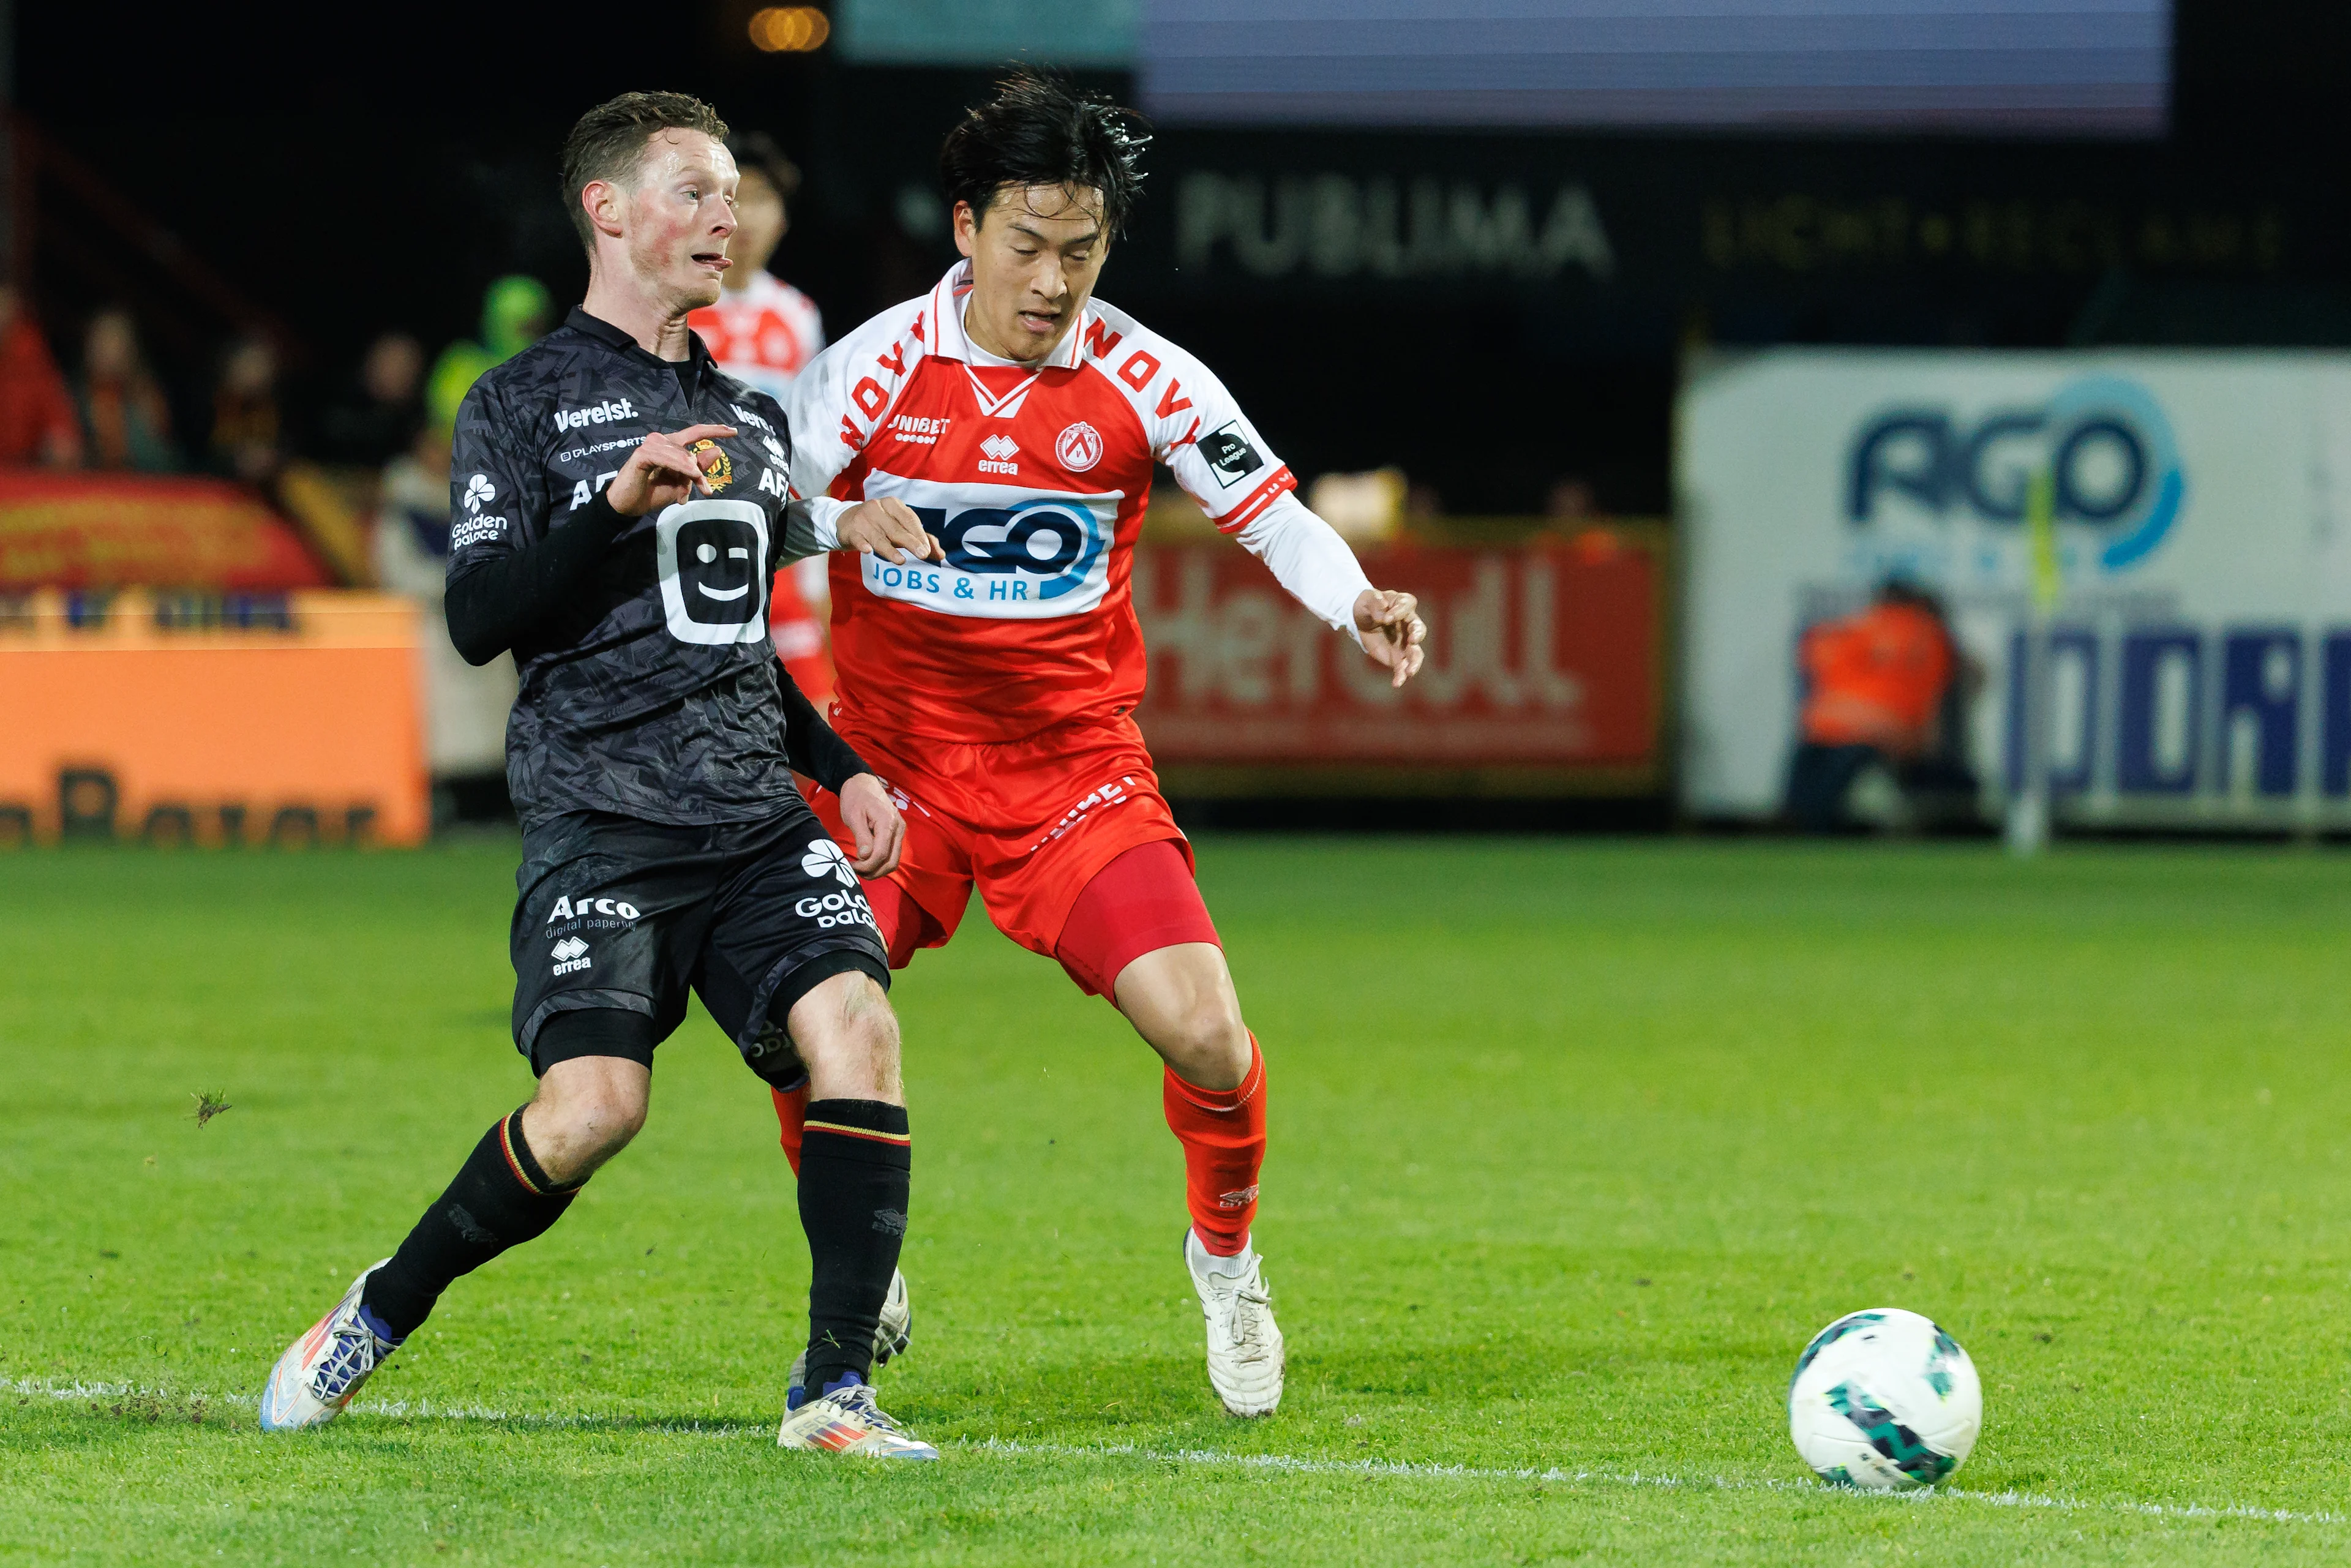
(1286, 1464)
(1294, 1465)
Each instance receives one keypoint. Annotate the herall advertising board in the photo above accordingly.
(2201, 651)
(1544, 674)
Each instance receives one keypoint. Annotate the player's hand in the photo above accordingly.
(867, 811)
(889, 529)
(662, 471)
(1392, 631)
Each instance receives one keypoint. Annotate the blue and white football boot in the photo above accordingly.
(891, 1337)
(316, 1376)
(845, 1420)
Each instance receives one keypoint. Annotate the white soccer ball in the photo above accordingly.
(1886, 1401)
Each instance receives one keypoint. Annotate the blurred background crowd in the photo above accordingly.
(1462, 261)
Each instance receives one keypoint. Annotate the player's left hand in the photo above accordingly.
(1392, 631)
(867, 811)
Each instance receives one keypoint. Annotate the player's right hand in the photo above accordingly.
(664, 470)
(889, 529)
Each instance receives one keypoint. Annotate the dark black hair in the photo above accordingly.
(1038, 130)
(609, 144)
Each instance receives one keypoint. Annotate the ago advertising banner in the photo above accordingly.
(277, 718)
(2201, 505)
(1544, 676)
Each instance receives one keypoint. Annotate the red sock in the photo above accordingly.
(1223, 1131)
(791, 1115)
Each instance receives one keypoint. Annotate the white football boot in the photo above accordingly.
(316, 1376)
(891, 1337)
(1245, 1355)
(847, 1421)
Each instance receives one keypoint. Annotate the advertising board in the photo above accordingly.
(286, 719)
(107, 530)
(1545, 675)
(2201, 507)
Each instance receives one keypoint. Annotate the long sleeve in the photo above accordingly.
(495, 599)
(1307, 557)
(810, 744)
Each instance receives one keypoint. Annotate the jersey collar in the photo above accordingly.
(947, 302)
(603, 332)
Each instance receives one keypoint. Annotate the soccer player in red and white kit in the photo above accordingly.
(763, 332)
(993, 685)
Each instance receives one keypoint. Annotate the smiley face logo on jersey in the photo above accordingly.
(720, 474)
(713, 559)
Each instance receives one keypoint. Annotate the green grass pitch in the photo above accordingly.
(1574, 1145)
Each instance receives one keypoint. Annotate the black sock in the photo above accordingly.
(500, 1199)
(854, 1163)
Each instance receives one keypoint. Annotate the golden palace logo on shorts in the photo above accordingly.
(720, 474)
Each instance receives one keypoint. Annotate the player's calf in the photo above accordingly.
(856, 1160)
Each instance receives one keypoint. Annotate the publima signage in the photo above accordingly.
(2200, 505)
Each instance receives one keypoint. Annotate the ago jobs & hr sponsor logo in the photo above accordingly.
(2101, 450)
(2149, 703)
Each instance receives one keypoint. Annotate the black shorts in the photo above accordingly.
(616, 912)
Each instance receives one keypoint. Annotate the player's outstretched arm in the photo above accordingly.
(1388, 621)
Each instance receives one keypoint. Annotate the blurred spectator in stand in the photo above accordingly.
(515, 312)
(1364, 508)
(249, 429)
(125, 423)
(465, 707)
(378, 416)
(763, 331)
(1572, 500)
(1877, 688)
(37, 423)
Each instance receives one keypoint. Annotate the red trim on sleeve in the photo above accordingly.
(1261, 498)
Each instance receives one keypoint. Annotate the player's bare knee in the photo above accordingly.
(847, 1034)
(1205, 1042)
(585, 1112)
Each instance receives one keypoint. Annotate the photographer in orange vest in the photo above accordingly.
(1876, 684)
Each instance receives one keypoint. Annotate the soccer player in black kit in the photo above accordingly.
(619, 507)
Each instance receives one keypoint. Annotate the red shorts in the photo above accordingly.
(1031, 823)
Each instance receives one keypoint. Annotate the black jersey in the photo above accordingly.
(656, 695)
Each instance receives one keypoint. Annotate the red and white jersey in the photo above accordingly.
(764, 333)
(1034, 479)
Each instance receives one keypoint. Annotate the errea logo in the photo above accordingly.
(570, 955)
(605, 413)
(479, 490)
(1000, 451)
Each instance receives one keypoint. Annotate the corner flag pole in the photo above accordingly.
(2028, 804)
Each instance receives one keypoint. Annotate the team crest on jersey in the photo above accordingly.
(1079, 447)
(720, 474)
